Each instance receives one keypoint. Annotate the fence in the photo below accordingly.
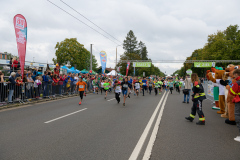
(25, 92)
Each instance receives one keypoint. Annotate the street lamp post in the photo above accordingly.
(116, 59)
(91, 56)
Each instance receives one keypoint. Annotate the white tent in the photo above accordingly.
(112, 73)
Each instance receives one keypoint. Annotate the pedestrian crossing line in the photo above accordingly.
(65, 116)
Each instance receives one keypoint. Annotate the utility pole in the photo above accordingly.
(116, 59)
(91, 56)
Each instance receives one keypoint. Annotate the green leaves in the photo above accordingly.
(223, 45)
(74, 52)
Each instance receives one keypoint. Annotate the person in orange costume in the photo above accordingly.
(218, 76)
(230, 105)
(81, 85)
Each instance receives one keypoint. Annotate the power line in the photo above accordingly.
(81, 21)
(90, 21)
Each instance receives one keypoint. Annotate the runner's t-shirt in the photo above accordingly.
(81, 85)
(118, 88)
(137, 85)
(150, 84)
(144, 82)
(125, 85)
(156, 84)
(106, 86)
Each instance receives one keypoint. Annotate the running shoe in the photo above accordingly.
(123, 104)
(105, 97)
(237, 139)
(80, 103)
(159, 93)
(129, 96)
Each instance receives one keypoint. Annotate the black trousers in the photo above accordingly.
(177, 89)
(81, 94)
(144, 88)
(197, 107)
(156, 91)
(171, 89)
(150, 90)
(117, 96)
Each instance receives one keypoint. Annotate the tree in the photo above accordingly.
(130, 43)
(70, 50)
(223, 45)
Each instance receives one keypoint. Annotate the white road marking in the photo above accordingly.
(65, 115)
(143, 137)
(153, 137)
(111, 99)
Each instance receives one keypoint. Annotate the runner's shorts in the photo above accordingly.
(124, 92)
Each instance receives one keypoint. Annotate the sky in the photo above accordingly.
(171, 29)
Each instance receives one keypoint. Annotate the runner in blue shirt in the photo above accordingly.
(144, 84)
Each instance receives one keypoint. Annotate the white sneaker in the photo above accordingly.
(237, 139)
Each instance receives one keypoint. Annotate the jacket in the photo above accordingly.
(198, 88)
(235, 91)
(12, 84)
(187, 83)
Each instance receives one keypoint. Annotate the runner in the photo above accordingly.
(144, 84)
(102, 88)
(160, 84)
(134, 80)
(156, 86)
(81, 85)
(106, 87)
(177, 86)
(137, 86)
(125, 86)
(170, 84)
(130, 81)
(117, 88)
(150, 86)
(95, 85)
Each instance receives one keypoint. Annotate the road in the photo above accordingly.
(101, 129)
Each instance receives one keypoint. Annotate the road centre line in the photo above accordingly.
(65, 116)
(144, 135)
(153, 137)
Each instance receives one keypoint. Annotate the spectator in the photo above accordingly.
(14, 63)
(18, 87)
(187, 88)
(11, 87)
(18, 73)
(2, 89)
(37, 84)
(54, 84)
(29, 86)
(61, 84)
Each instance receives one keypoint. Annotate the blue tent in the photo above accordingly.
(64, 67)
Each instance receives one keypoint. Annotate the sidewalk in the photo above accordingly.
(179, 139)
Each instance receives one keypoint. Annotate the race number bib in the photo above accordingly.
(81, 86)
(144, 84)
(150, 85)
(118, 88)
(125, 86)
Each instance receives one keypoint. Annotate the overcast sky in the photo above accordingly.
(171, 29)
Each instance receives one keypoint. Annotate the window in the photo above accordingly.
(3, 56)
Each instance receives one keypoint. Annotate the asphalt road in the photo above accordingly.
(101, 129)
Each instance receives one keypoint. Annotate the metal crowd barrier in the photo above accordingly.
(26, 92)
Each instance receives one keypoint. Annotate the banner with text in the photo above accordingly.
(20, 26)
(103, 59)
(204, 64)
(128, 65)
(142, 64)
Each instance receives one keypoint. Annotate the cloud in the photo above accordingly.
(171, 30)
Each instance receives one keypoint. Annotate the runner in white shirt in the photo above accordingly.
(117, 89)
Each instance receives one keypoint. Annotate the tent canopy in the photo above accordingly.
(112, 73)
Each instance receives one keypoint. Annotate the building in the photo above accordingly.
(3, 55)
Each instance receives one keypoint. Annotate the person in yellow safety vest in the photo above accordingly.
(197, 98)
